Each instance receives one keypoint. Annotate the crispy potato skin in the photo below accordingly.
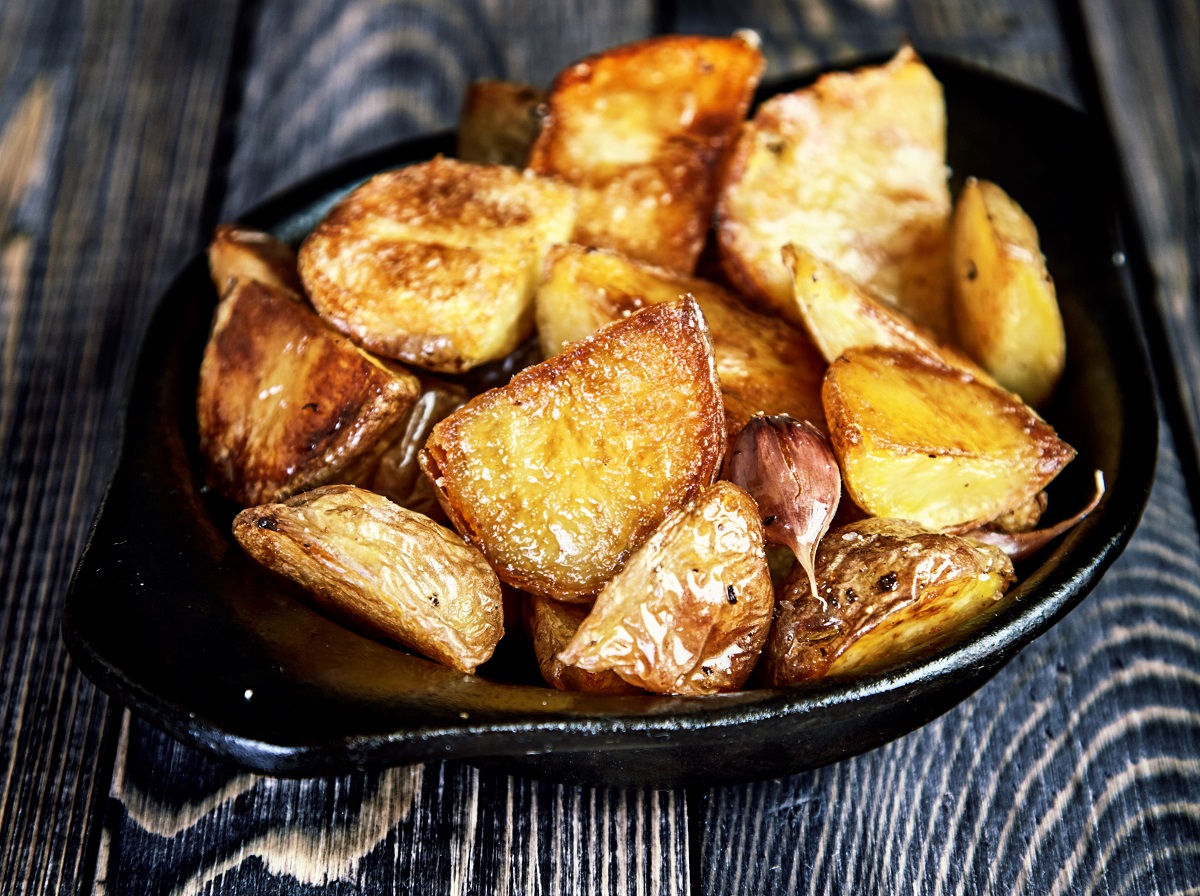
(887, 588)
(840, 315)
(285, 403)
(385, 569)
(558, 476)
(853, 169)
(690, 612)
(1004, 305)
(921, 441)
(238, 253)
(435, 264)
(764, 364)
(551, 625)
(643, 131)
(499, 122)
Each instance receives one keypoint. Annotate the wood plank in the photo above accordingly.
(1136, 49)
(178, 822)
(89, 234)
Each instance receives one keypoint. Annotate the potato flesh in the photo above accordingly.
(690, 612)
(285, 403)
(499, 122)
(920, 441)
(840, 315)
(1004, 304)
(642, 130)
(887, 588)
(435, 264)
(765, 365)
(386, 569)
(852, 169)
(551, 625)
(559, 475)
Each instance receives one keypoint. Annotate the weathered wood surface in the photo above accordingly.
(127, 128)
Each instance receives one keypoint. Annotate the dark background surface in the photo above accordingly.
(127, 130)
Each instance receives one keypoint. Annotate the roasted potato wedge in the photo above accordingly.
(853, 169)
(887, 588)
(642, 130)
(558, 476)
(1005, 309)
(765, 365)
(840, 315)
(551, 625)
(921, 441)
(285, 403)
(384, 569)
(435, 264)
(499, 122)
(238, 253)
(398, 475)
(690, 612)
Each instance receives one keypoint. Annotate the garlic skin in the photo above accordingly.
(790, 470)
(1019, 545)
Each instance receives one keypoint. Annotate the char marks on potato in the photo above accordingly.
(285, 403)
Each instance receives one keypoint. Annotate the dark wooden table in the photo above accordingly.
(128, 129)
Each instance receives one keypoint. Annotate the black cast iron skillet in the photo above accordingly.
(166, 614)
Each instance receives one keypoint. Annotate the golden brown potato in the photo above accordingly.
(690, 612)
(285, 403)
(238, 253)
(1004, 307)
(435, 264)
(499, 122)
(920, 441)
(384, 569)
(765, 365)
(840, 315)
(398, 475)
(642, 130)
(853, 169)
(558, 476)
(552, 624)
(888, 588)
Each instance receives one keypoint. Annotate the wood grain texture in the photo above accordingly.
(1136, 48)
(92, 228)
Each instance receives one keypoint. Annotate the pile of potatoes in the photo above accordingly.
(515, 377)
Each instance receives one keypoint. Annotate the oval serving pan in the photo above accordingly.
(167, 615)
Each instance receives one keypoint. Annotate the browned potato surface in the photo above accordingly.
(238, 253)
(840, 315)
(285, 403)
(558, 476)
(691, 610)
(435, 264)
(921, 441)
(887, 588)
(765, 365)
(853, 169)
(552, 624)
(642, 130)
(1005, 308)
(499, 122)
(385, 569)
